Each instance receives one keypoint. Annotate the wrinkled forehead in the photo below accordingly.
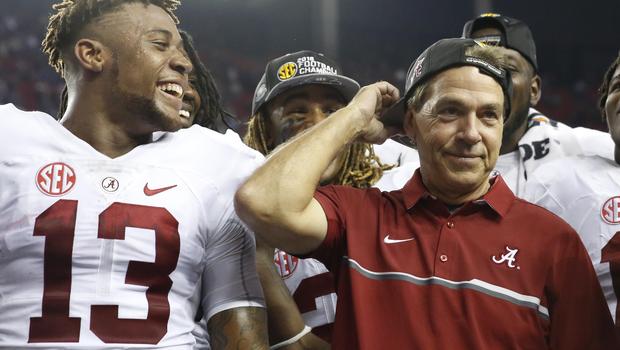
(465, 81)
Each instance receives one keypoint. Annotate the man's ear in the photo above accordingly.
(90, 54)
(410, 126)
(535, 90)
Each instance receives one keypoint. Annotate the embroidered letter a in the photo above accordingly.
(509, 257)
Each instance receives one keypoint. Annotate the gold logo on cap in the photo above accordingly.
(287, 71)
(490, 14)
(481, 43)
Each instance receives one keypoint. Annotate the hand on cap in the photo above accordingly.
(370, 102)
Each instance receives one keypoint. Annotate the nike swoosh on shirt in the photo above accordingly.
(152, 192)
(388, 240)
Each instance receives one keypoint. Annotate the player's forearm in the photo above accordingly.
(239, 328)
(284, 318)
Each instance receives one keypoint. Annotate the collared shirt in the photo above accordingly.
(498, 273)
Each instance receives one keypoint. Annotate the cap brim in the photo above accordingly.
(346, 86)
(395, 115)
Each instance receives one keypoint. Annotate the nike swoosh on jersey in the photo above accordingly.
(388, 240)
(152, 192)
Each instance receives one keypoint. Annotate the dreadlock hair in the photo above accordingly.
(211, 113)
(604, 89)
(360, 168)
(73, 15)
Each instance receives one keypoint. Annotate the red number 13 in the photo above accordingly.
(57, 225)
(611, 254)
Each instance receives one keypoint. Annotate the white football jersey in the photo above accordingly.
(544, 141)
(585, 192)
(101, 253)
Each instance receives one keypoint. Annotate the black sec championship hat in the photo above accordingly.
(442, 55)
(301, 68)
(515, 35)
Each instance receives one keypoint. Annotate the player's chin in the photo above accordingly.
(170, 120)
(183, 122)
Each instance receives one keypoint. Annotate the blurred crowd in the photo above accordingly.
(28, 81)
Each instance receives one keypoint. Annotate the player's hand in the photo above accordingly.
(368, 104)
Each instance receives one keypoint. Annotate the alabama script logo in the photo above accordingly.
(510, 258)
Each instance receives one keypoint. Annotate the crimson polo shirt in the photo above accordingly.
(498, 273)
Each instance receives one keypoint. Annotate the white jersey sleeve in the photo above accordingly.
(101, 253)
(230, 278)
(396, 178)
(395, 153)
(585, 192)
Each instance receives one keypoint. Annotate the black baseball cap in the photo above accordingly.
(515, 35)
(301, 68)
(443, 55)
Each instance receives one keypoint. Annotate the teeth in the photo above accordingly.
(184, 113)
(171, 88)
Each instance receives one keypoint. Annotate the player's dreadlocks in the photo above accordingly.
(604, 89)
(72, 15)
(211, 113)
(361, 168)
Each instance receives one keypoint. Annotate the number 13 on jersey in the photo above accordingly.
(57, 225)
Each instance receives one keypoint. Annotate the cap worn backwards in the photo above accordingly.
(301, 68)
(515, 34)
(442, 55)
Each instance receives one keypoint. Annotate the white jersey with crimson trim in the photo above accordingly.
(100, 253)
(585, 192)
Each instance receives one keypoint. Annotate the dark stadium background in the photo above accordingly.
(374, 40)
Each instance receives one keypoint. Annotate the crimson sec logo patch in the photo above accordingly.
(285, 263)
(55, 179)
(610, 212)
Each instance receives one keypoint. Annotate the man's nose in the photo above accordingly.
(470, 129)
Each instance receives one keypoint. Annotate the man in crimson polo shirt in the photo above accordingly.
(451, 261)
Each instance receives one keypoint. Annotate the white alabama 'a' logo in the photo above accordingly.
(510, 257)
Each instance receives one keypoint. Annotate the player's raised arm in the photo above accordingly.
(277, 201)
